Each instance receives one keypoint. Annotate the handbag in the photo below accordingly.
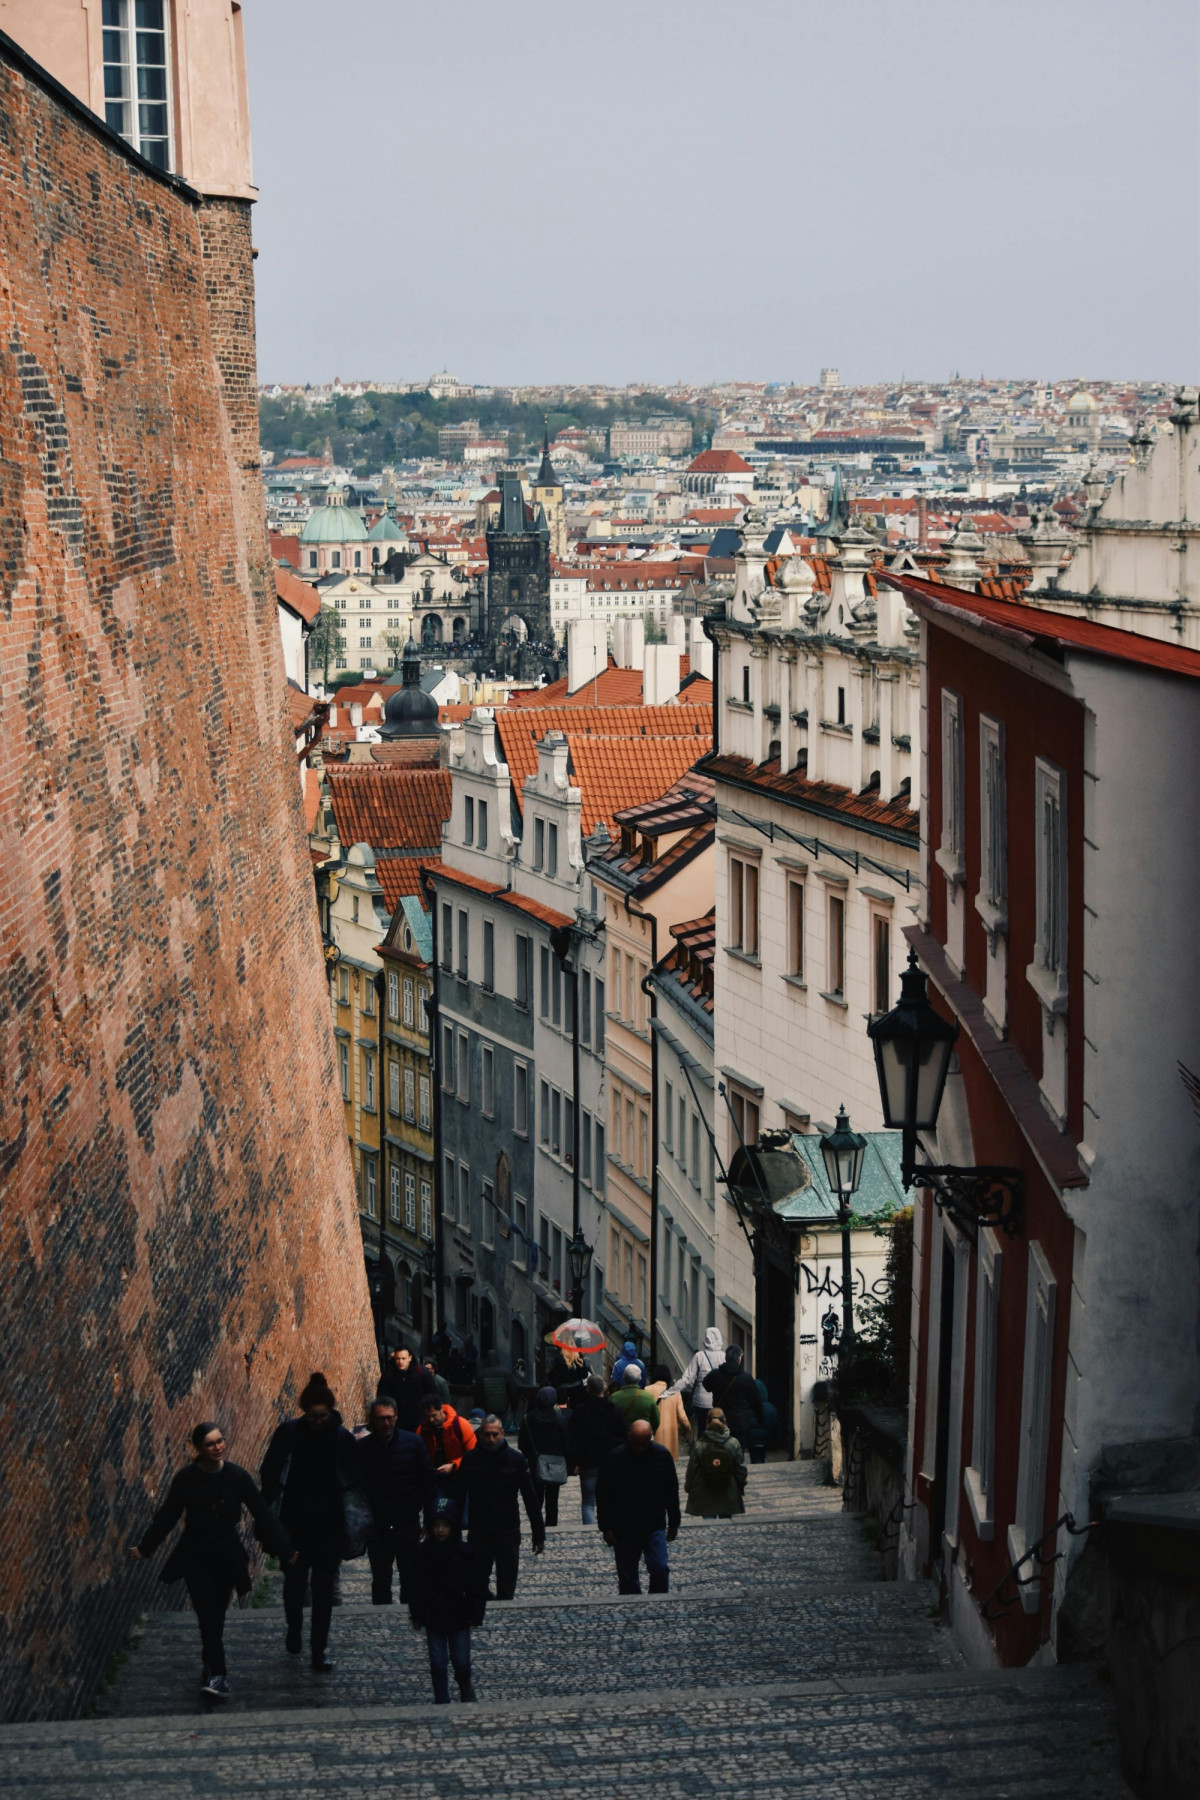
(552, 1470)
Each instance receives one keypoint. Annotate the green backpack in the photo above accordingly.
(716, 1464)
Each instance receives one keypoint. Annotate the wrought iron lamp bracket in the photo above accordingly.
(990, 1194)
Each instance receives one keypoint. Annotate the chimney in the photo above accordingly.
(700, 650)
(629, 642)
(660, 674)
(333, 715)
(677, 632)
(356, 713)
(587, 652)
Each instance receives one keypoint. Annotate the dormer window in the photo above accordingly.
(746, 685)
(539, 843)
(552, 850)
(468, 820)
(481, 816)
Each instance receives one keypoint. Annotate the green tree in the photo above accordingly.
(326, 642)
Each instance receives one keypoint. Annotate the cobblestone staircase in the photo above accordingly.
(779, 1664)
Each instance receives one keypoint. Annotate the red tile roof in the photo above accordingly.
(690, 962)
(297, 595)
(719, 462)
(620, 756)
(389, 806)
(439, 871)
(613, 774)
(1043, 628)
(611, 687)
(817, 796)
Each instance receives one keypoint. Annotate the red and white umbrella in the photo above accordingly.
(578, 1334)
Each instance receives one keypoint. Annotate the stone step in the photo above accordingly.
(1040, 1734)
(561, 1645)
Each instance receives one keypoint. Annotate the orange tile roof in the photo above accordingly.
(608, 782)
(398, 876)
(719, 462)
(816, 796)
(614, 773)
(440, 871)
(297, 595)
(611, 687)
(389, 806)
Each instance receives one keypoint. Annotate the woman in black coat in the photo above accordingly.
(310, 1461)
(210, 1556)
(544, 1434)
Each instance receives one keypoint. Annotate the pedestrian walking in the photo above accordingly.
(595, 1427)
(736, 1394)
(544, 1444)
(210, 1557)
(394, 1469)
(447, 1436)
(672, 1419)
(716, 1473)
(567, 1373)
(491, 1480)
(691, 1383)
(447, 1598)
(637, 1509)
(407, 1383)
(629, 1354)
(495, 1389)
(440, 1384)
(309, 1466)
(763, 1436)
(632, 1400)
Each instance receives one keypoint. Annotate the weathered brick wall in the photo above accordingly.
(178, 1233)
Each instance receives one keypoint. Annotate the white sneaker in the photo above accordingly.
(217, 1686)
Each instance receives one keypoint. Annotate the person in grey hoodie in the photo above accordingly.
(696, 1396)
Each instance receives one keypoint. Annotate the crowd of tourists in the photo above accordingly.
(404, 1486)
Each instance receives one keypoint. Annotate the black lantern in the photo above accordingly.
(579, 1255)
(843, 1151)
(913, 1045)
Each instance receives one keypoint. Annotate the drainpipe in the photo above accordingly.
(439, 1248)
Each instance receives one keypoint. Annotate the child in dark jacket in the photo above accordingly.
(446, 1597)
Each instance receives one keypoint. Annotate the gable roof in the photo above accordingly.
(389, 806)
(719, 462)
(611, 687)
(619, 756)
(296, 595)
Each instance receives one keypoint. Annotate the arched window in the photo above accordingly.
(336, 559)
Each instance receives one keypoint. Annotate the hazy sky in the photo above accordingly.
(684, 189)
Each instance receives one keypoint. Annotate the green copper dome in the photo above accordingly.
(386, 531)
(337, 524)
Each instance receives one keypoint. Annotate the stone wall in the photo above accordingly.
(178, 1233)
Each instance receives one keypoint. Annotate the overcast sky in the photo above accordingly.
(570, 190)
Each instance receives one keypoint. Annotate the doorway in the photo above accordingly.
(487, 1327)
(777, 1348)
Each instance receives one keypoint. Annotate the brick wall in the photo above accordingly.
(178, 1232)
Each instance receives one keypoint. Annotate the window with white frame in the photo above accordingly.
(1029, 1515)
(795, 929)
(426, 1114)
(344, 1069)
(835, 945)
(464, 945)
(394, 1193)
(544, 1001)
(598, 991)
(951, 854)
(521, 1099)
(410, 1200)
(393, 995)
(481, 833)
(343, 986)
(585, 1146)
(544, 1113)
(464, 1196)
(520, 1237)
(981, 1476)
(393, 1084)
(552, 850)
(137, 97)
(616, 981)
(668, 1117)
(464, 1066)
(1051, 944)
(410, 1095)
(449, 1186)
(426, 1210)
(422, 1008)
(447, 938)
(881, 962)
(371, 1186)
(448, 1058)
(524, 994)
(539, 843)
(408, 1001)
(468, 820)
(368, 1081)
(993, 822)
(745, 1117)
(488, 1079)
(696, 1151)
(489, 955)
(743, 905)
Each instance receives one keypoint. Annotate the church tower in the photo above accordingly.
(548, 494)
(518, 552)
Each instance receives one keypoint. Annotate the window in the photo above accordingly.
(981, 1474)
(521, 1098)
(410, 1084)
(1051, 948)
(568, 1136)
(488, 1081)
(950, 855)
(630, 977)
(410, 1200)
(599, 993)
(616, 981)
(745, 1117)
(468, 820)
(447, 938)
(668, 1110)
(487, 1215)
(599, 1172)
(552, 850)
(841, 706)
(746, 685)
(525, 972)
(643, 1309)
(481, 835)
(489, 955)
(1028, 1523)
(371, 1186)
(993, 836)
(628, 1273)
(393, 995)
(836, 971)
(426, 1111)
(426, 1210)
(137, 103)
(555, 1121)
(464, 1196)
(681, 1141)
(881, 962)
(556, 985)
(614, 1244)
(448, 1058)
(544, 1008)
(312, 559)
(464, 1066)
(743, 905)
(369, 997)
(795, 930)
(343, 986)
(585, 1008)
(544, 1248)
(394, 1084)
(422, 1009)
(544, 1097)
(616, 1124)
(569, 980)
(556, 1258)
(358, 559)
(585, 1146)
(630, 1148)
(344, 1069)
(394, 1194)
(368, 1081)
(408, 1001)
(695, 1152)
(520, 1219)
(448, 1186)
(539, 842)
(464, 945)
(644, 1144)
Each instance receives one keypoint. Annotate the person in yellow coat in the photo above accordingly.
(672, 1417)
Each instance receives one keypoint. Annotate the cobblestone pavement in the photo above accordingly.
(780, 1664)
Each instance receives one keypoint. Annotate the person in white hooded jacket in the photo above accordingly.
(691, 1382)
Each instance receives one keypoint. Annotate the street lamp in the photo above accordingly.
(843, 1151)
(913, 1045)
(579, 1255)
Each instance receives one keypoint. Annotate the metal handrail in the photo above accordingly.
(1032, 1555)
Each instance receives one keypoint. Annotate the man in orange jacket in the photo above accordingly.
(447, 1436)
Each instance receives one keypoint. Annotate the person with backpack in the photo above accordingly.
(628, 1358)
(691, 1386)
(737, 1395)
(447, 1598)
(716, 1473)
(308, 1468)
(210, 1556)
(447, 1436)
(544, 1444)
(596, 1426)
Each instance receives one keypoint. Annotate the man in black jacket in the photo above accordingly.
(733, 1390)
(393, 1467)
(407, 1381)
(637, 1506)
(595, 1427)
(490, 1479)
